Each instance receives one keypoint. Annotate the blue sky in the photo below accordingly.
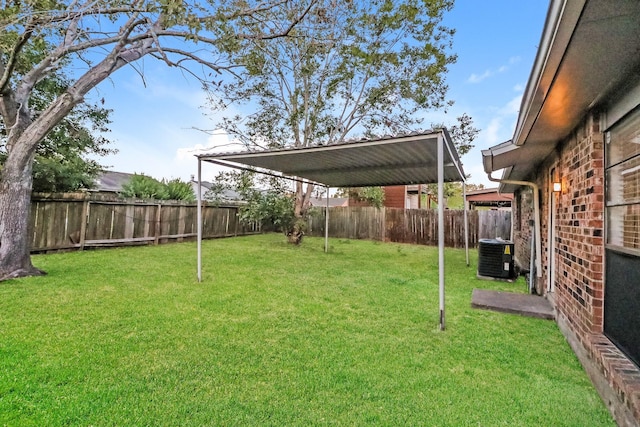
(496, 42)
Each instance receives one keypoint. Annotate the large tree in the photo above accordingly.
(96, 38)
(65, 160)
(356, 68)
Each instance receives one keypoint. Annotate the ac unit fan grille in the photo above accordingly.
(495, 258)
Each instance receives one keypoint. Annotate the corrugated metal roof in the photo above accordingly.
(391, 160)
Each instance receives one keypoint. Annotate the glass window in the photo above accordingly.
(623, 184)
(624, 140)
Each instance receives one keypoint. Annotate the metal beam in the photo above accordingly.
(466, 221)
(441, 229)
(326, 225)
(199, 219)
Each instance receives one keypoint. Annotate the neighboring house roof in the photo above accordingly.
(413, 189)
(110, 181)
(333, 202)
(488, 194)
(226, 196)
(588, 53)
(489, 197)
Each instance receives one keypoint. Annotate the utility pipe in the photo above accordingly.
(536, 216)
(531, 266)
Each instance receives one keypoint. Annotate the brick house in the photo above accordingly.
(489, 198)
(579, 127)
(402, 197)
(407, 196)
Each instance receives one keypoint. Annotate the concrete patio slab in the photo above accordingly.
(507, 302)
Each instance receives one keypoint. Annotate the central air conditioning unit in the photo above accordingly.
(495, 259)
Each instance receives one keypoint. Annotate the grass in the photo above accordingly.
(276, 335)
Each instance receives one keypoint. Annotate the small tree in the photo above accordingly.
(266, 200)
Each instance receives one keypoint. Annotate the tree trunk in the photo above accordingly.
(15, 202)
(296, 232)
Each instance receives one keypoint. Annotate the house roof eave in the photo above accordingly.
(583, 60)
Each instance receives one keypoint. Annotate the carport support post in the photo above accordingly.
(466, 221)
(441, 227)
(199, 219)
(326, 224)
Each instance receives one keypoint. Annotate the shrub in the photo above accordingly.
(180, 190)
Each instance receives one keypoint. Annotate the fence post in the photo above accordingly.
(129, 223)
(237, 223)
(83, 223)
(157, 227)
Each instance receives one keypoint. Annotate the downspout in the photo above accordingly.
(536, 216)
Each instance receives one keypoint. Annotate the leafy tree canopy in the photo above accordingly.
(463, 133)
(352, 68)
(373, 196)
(65, 159)
(357, 67)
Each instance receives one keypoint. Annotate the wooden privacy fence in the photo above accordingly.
(492, 224)
(72, 221)
(410, 225)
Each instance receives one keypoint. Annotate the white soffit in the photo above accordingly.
(403, 160)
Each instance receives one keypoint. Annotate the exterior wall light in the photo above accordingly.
(557, 187)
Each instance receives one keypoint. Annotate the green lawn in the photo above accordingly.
(277, 335)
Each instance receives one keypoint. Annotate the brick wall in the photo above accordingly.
(394, 196)
(578, 163)
(522, 214)
(579, 227)
(578, 224)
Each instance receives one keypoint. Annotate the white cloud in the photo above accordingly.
(512, 107)
(477, 78)
(491, 134)
(500, 125)
(216, 142)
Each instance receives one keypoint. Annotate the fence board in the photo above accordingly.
(71, 221)
(414, 226)
(492, 224)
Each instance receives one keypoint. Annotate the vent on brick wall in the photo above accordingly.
(495, 258)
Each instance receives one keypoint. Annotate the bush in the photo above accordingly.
(180, 190)
(145, 187)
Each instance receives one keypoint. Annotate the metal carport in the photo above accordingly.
(415, 158)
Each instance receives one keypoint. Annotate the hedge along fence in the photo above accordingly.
(410, 225)
(82, 220)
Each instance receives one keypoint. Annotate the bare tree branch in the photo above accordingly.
(13, 56)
